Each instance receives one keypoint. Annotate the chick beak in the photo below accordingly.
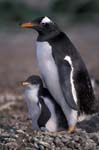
(24, 83)
(28, 25)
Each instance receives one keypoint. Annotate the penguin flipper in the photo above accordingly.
(64, 77)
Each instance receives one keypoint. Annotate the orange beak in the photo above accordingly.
(28, 25)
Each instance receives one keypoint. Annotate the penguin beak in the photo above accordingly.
(29, 25)
(24, 83)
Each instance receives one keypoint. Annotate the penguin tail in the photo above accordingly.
(86, 115)
(89, 107)
(96, 107)
(93, 109)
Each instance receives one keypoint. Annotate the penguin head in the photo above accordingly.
(44, 26)
(33, 81)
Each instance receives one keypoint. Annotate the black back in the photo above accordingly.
(62, 46)
(45, 114)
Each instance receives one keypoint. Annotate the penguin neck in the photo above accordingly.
(47, 37)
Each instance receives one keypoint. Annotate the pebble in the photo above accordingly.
(23, 137)
(94, 137)
(57, 140)
(36, 145)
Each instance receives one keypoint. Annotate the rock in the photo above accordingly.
(17, 133)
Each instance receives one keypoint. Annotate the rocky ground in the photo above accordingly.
(16, 132)
(17, 62)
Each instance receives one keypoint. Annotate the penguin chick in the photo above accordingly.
(31, 97)
(42, 108)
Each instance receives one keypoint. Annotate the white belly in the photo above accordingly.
(51, 125)
(49, 73)
(34, 110)
(48, 70)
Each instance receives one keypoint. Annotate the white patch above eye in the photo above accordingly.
(46, 20)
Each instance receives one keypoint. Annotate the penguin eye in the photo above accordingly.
(45, 25)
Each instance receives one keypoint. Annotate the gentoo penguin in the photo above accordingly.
(43, 109)
(63, 70)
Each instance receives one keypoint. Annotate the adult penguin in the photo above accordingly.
(63, 70)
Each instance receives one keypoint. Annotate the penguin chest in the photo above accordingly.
(31, 95)
(48, 69)
(32, 100)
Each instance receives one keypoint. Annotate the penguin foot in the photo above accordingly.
(61, 132)
(71, 129)
(43, 129)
